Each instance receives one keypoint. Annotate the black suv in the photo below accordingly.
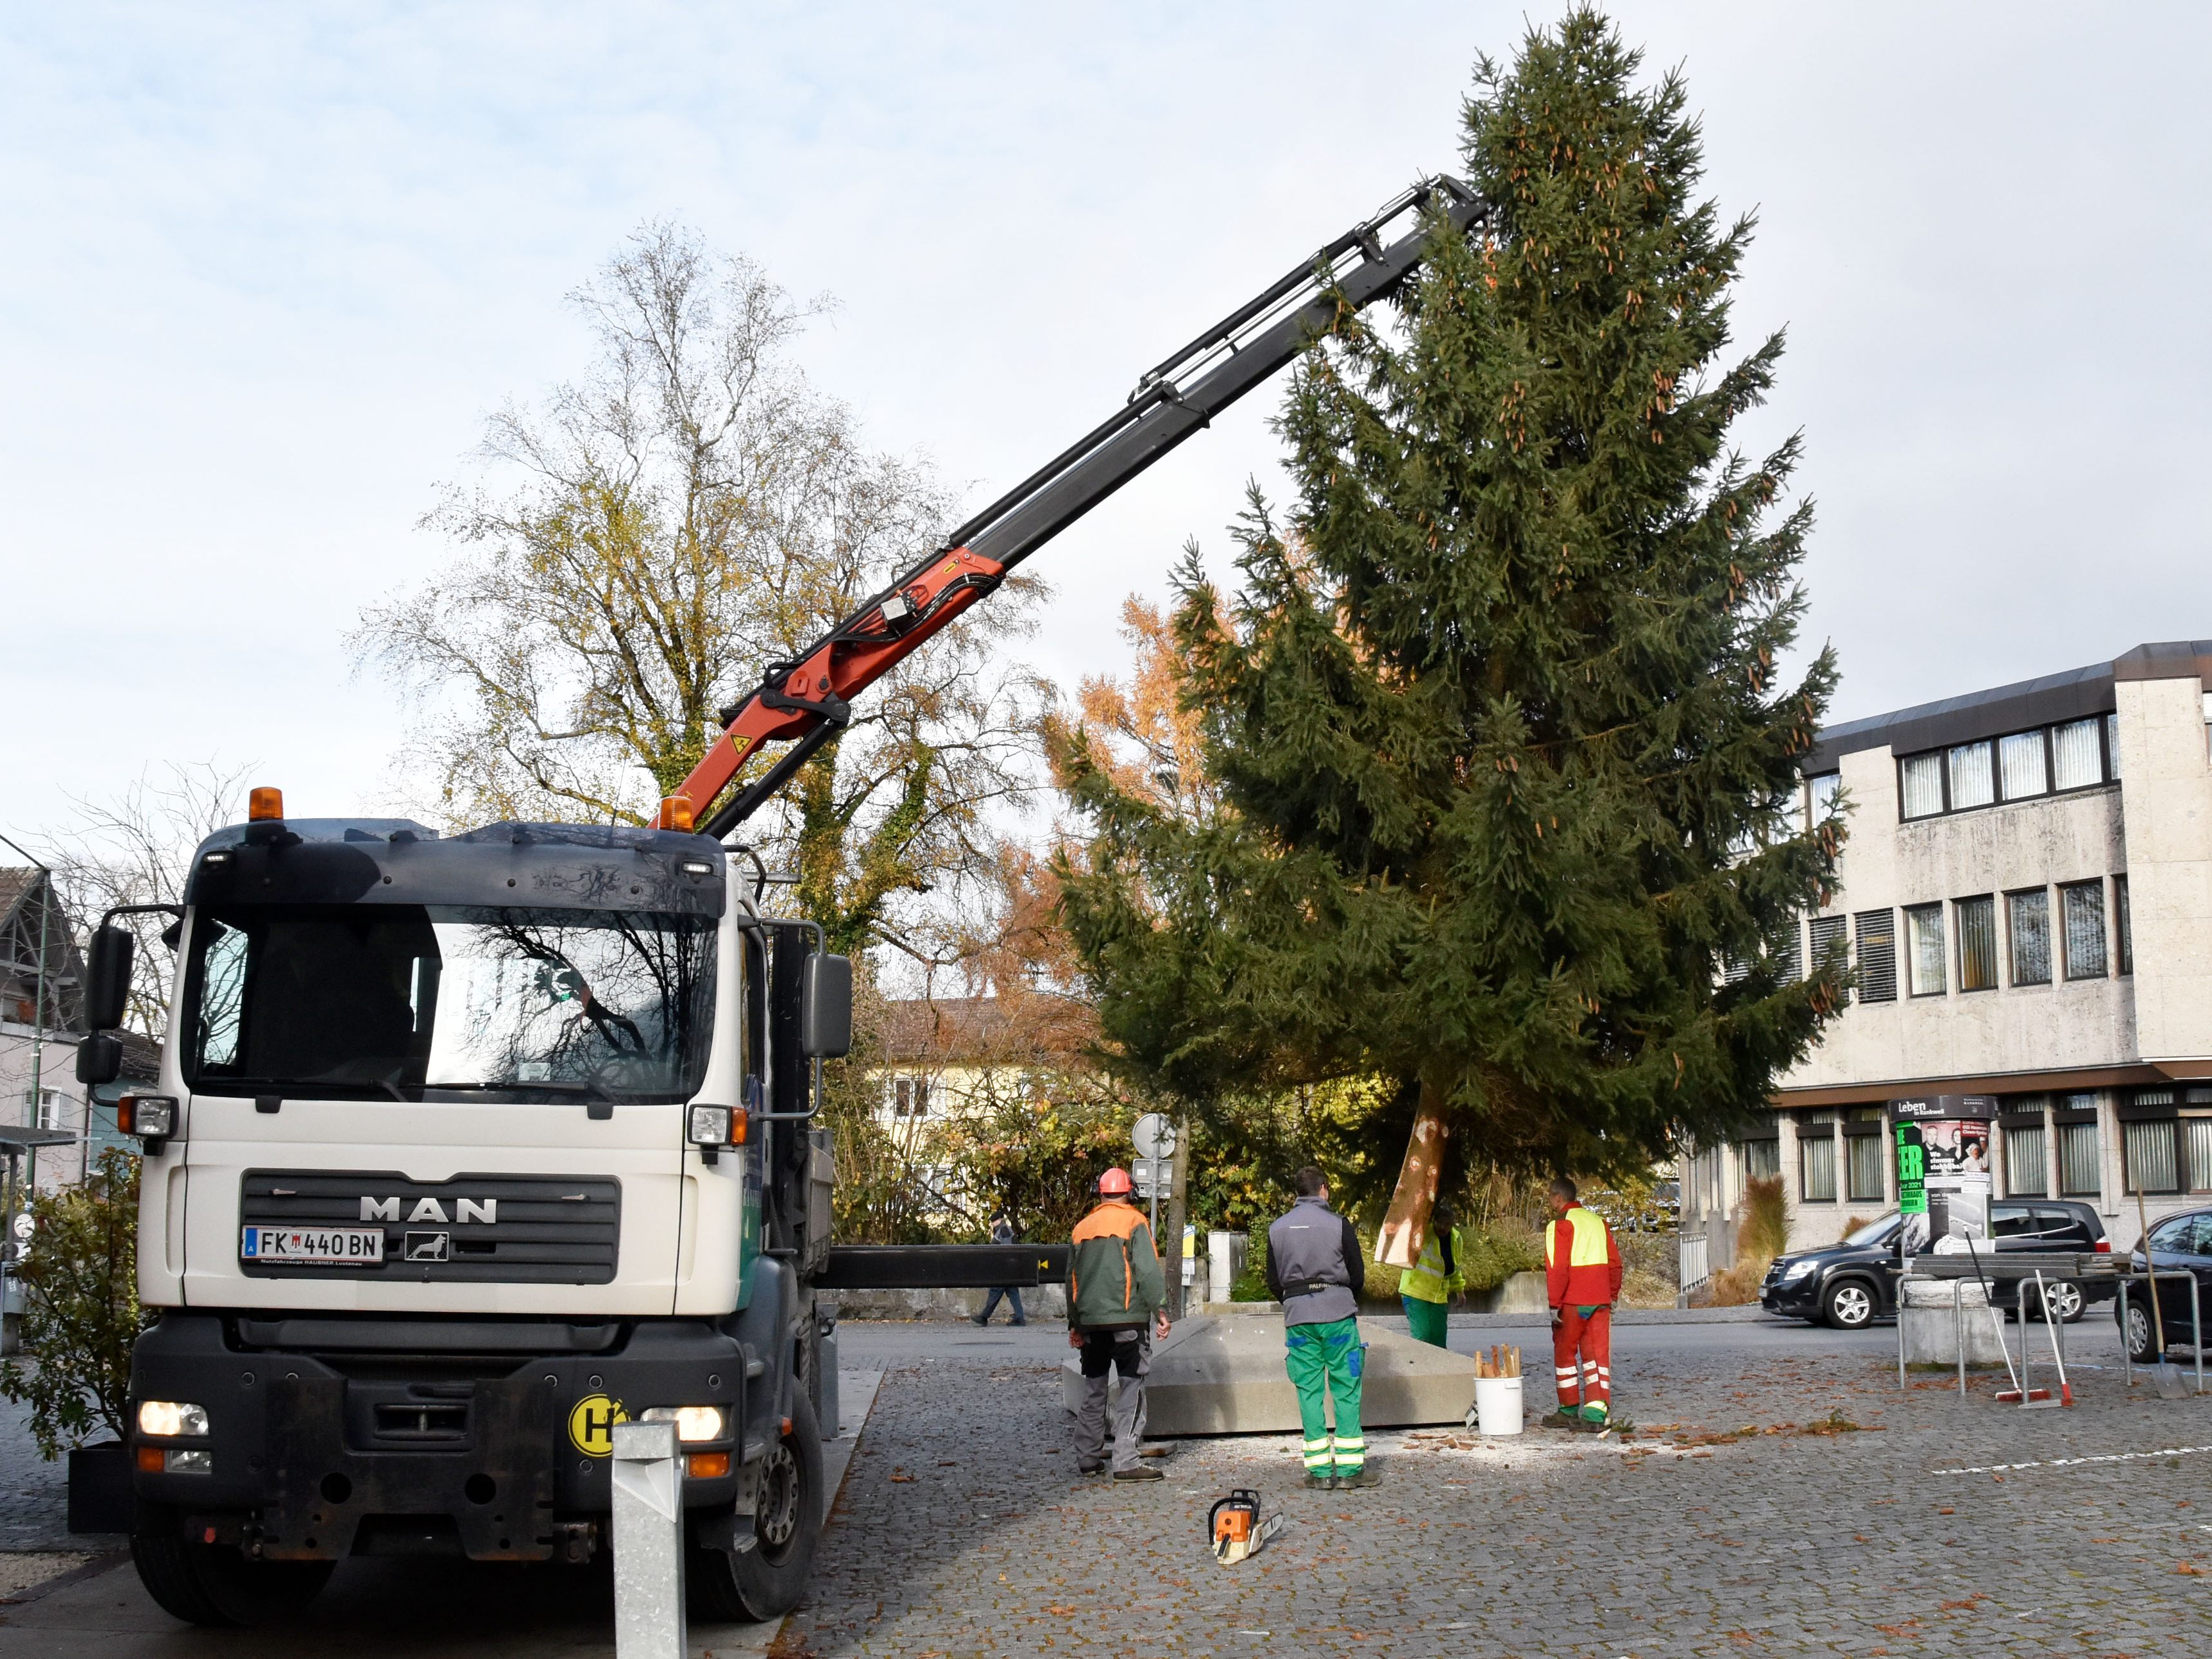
(1850, 1285)
(2177, 1243)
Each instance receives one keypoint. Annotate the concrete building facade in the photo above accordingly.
(2025, 897)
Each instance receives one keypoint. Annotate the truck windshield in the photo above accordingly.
(415, 1002)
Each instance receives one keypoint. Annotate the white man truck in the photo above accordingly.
(467, 1147)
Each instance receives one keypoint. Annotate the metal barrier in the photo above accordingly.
(2196, 1316)
(1693, 1257)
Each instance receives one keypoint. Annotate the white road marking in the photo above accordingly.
(2074, 1462)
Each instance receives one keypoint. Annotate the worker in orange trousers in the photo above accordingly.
(1582, 1271)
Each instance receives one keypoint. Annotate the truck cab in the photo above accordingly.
(464, 1150)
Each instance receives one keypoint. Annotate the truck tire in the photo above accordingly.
(766, 1580)
(213, 1585)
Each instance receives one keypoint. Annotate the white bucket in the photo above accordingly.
(1497, 1404)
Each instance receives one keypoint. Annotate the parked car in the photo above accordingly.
(2180, 1241)
(1852, 1283)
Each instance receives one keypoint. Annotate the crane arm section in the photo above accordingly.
(807, 701)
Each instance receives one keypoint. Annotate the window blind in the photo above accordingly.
(1921, 777)
(2154, 1161)
(1817, 1159)
(1972, 781)
(1923, 935)
(2082, 912)
(1877, 944)
(2028, 921)
(2027, 1175)
(2077, 760)
(2024, 766)
(1978, 944)
(2079, 1174)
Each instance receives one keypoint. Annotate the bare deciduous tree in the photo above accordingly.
(645, 541)
(137, 849)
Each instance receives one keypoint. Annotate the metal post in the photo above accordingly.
(2195, 1327)
(648, 1543)
(1959, 1329)
(1900, 1329)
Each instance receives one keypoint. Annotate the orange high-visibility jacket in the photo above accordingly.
(1582, 1262)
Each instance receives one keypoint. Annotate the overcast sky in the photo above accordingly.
(267, 268)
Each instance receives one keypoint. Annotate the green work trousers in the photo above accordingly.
(1427, 1322)
(1330, 1355)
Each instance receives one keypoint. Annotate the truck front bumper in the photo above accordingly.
(314, 1454)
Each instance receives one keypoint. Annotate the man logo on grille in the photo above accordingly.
(591, 1425)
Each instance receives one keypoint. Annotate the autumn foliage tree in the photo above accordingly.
(1508, 801)
(639, 545)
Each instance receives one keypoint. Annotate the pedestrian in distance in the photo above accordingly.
(1116, 1304)
(1430, 1285)
(1314, 1267)
(1582, 1269)
(1002, 1232)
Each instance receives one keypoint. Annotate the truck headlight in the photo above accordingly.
(149, 1117)
(1798, 1270)
(693, 1422)
(172, 1419)
(716, 1126)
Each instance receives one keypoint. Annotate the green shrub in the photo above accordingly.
(81, 1313)
(1492, 1258)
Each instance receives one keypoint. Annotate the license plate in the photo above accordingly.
(312, 1246)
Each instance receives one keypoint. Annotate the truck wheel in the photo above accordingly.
(215, 1584)
(766, 1580)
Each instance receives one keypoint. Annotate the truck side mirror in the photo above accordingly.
(108, 978)
(100, 1057)
(825, 1006)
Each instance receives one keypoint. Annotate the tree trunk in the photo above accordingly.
(1406, 1224)
(1171, 1248)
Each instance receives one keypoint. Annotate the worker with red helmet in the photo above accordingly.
(1116, 1300)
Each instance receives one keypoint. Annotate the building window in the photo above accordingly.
(1762, 1159)
(1816, 1156)
(910, 1097)
(1862, 1155)
(2081, 912)
(1920, 778)
(48, 1114)
(1977, 943)
(2024, 765)
(1923, 943)
(2112, 743)
(2026, 1175)
(2081, 1170)
(1789, 959)
(2125, 932)
(1877, 944)
(2077, 757)
(1973, 782)
(2027, 924)
(1830, 948)
(2153, 1156)
(1822, 788)
(2196, 1146)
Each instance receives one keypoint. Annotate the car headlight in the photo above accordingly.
(1798, 1270)
(693, 1422)
(172, 1419)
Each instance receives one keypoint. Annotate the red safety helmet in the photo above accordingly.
(1115, 1183)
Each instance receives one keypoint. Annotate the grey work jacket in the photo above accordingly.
(1314, 1246)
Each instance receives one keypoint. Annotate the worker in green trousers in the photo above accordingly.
(1314, 1263)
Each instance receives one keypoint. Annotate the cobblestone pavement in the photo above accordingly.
(1726, 1528)
(33, 1494)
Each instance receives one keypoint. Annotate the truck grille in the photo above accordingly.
(534, 1230)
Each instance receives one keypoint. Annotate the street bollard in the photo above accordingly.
(648, 1543)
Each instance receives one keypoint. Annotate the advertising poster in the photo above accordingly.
(1943, 1171)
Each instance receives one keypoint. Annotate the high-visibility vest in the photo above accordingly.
(1586, 1247)
(1426, 1279)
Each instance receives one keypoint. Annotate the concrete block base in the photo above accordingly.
(1931, 1329)
(1225, 1376)
(1522, 1293)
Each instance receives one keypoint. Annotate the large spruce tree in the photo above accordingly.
(1509, 798)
